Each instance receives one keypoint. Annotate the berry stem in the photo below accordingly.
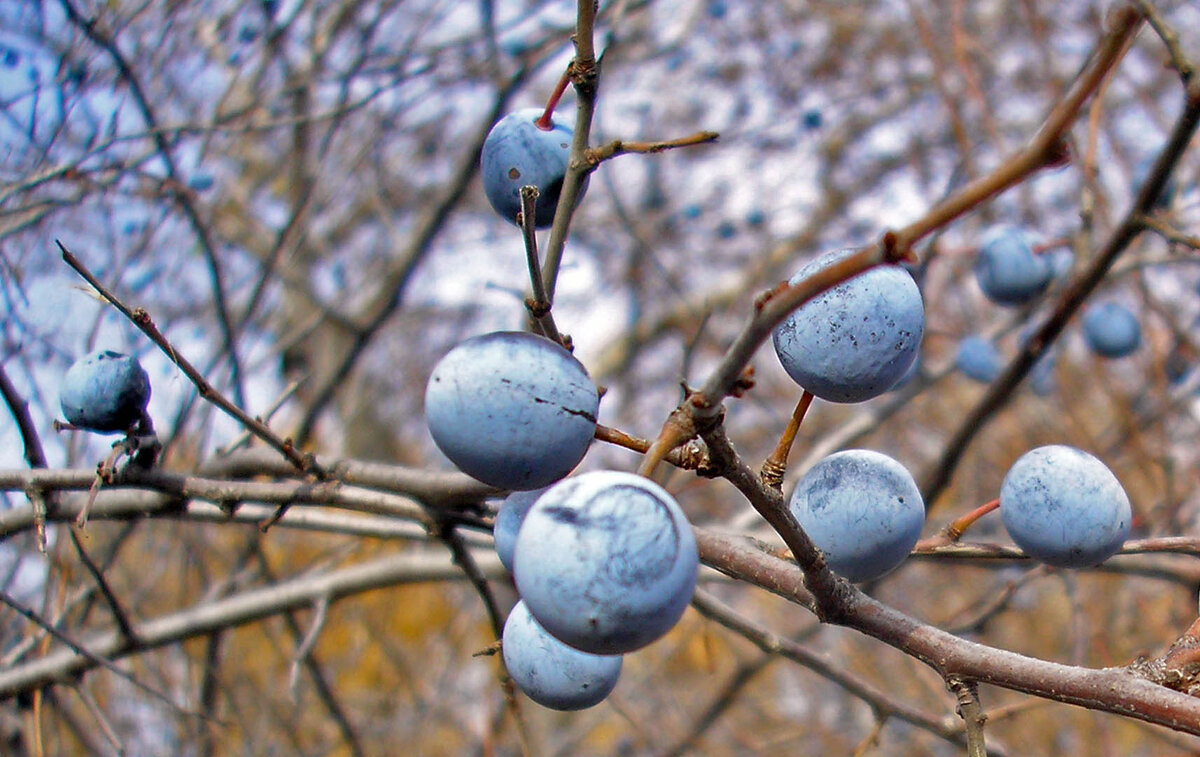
(775, 466)
(538, 305)
(954, 530)
(546, 122)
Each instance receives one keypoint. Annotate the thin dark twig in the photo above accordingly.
(1069, 301)
(35, 455)
(118, 612)
(141, 319)
(86, 653)
(93, 31)
(539, 305)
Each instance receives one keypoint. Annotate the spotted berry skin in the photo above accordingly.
(856, 340)
(105, 391)
(1064, 507)
(1008, 270)
(1111, 330)
(511, 409)
(517, 153)
(551, 673)
(863, 509)
(606, 561)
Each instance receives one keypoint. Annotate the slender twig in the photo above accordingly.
(251, 605)
(92, 656)
(1170, 38)
(585, 78)
(725, 698)
(539, 304)
(140, 318)
(308, 643)
(772, 643)
(1163, 229)
(954, 530)
(34, 453)
(775, 466)
(688, 456)
(1045, 149)
(114, 605)
(1069, 301)
(969, 709)
(597, 155)
(316, 672)
(470, 568)
(178, 192)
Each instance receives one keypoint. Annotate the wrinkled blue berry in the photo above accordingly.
(606, 561)
(1008, 270)
(1064, 507)
(517, 153)
(856, 340)
(978, 359)
(551, 673)
(508, 522)
(105, 391)
(863, 509)
(511, 409)
(1111, 330)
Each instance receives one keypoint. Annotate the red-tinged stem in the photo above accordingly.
(956, 528)
(775, 466)
(959, 526)
(546, 122)
(1053, 244)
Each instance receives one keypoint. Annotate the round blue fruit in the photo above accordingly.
(1111, 330)
(606, 562)
(551, 673)
(856, 340)
(1064, 507)
(508, 522)
(512, 409)
(978, 359)
(863, 509)
(518, 153)
(105, 391)
(1008, 270)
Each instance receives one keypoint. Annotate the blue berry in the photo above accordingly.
(1008, 270)
(1042, 377)
(856, 340)
(606, 562)
(812, 119)
(551, 673)
(1111, 330)
(978, 359)
(913, 371)
(863, 509)
(105, 392)
(201, 182)
(1064, 507)
(511, 409)
(517, 153)
(508, 522)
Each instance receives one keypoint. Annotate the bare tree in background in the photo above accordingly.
(289, 192)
